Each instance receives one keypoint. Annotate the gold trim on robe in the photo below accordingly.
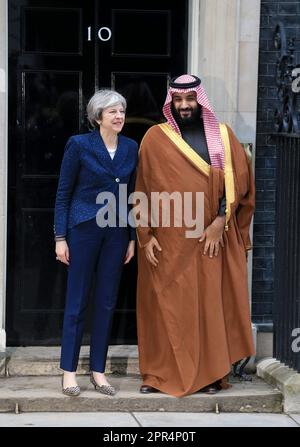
(185, 148)
(204, 167)
(228, 173)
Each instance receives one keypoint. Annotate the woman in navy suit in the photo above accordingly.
(93, 163)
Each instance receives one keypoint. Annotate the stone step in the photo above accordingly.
(44, 360)
(29, 381)
(43, 394)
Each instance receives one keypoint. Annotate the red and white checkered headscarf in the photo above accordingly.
(211, 125)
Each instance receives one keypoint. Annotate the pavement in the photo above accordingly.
(148, 419)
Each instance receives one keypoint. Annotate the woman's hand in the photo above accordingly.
(62, 252)
(130, 252)
(214, 236)
(150, 251)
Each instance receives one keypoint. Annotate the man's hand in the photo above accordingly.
(150, 251)
(62, 252)
(213, 236)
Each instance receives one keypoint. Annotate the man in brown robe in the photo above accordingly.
(192, 295)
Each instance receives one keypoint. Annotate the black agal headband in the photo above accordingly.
(178, 85)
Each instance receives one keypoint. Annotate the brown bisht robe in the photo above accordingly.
(193, 311)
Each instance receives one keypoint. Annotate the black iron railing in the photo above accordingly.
(287, 236)
(287, 252)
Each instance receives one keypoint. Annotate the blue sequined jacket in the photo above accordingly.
(87, 169)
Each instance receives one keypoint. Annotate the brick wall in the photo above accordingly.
(272, 11)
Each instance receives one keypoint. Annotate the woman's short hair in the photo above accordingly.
(100, 101)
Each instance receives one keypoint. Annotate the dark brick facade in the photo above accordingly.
(272, 11)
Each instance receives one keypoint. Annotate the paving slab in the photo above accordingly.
(296, 418)
(99, 419)
(43, 394)
(214, 420)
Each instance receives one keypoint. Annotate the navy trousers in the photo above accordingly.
(100, 251)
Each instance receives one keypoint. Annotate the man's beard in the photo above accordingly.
(187, 120)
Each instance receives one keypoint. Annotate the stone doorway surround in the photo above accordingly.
(223, 50)
(3, 165)
(223, 39)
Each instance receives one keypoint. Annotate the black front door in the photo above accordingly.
(60, 52)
